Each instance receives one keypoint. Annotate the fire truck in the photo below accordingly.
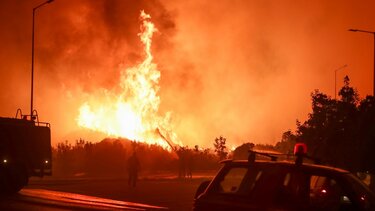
(25, 151)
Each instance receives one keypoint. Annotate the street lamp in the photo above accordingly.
(342, 67)
(373, 33)
(32, 56)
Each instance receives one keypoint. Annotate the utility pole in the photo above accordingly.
(373, 33)
(32, 57)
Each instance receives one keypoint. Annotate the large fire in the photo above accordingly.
(131, 110)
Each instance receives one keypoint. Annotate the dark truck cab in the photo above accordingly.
(25, 151)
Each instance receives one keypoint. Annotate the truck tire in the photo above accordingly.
(3, 180)
(13, 178)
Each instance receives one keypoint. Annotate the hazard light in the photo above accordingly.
(300, 149)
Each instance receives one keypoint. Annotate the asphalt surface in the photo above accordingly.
(152, 192)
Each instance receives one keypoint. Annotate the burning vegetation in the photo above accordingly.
(131, 110)
(108, 158)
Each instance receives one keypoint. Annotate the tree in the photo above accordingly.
(348, 94)
(287, 142)
(366, 110)
(220, 147)
(331, 131)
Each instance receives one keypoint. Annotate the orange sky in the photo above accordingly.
(243, 69)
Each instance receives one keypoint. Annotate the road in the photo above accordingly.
(108, 193)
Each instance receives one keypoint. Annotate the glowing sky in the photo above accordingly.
(243, 69)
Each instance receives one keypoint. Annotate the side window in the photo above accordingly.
(296, 184)
(365, 197)
(232, 180)
(293, 191)
(326, 193)
(264, 185)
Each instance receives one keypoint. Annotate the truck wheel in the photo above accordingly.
(3, 181)
(15, 178)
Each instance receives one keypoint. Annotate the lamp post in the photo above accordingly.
(32, 56)
(373, 33)
(342, 67)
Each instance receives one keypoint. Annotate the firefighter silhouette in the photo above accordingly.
(133, 168)
(185, 162)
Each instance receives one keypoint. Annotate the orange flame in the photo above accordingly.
(132, 112)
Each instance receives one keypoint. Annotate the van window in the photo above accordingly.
(232, 180)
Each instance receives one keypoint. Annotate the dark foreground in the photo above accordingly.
(151, 192)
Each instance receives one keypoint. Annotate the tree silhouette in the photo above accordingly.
(286, 145)
(348, 94)
(366, 139)
(220, 148)
(331, 131)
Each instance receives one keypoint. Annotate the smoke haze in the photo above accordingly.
(240, 69)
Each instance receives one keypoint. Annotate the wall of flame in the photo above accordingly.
(132, 110)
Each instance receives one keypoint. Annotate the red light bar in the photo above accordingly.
(300, 149)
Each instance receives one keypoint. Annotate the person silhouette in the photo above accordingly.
(133, 168)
